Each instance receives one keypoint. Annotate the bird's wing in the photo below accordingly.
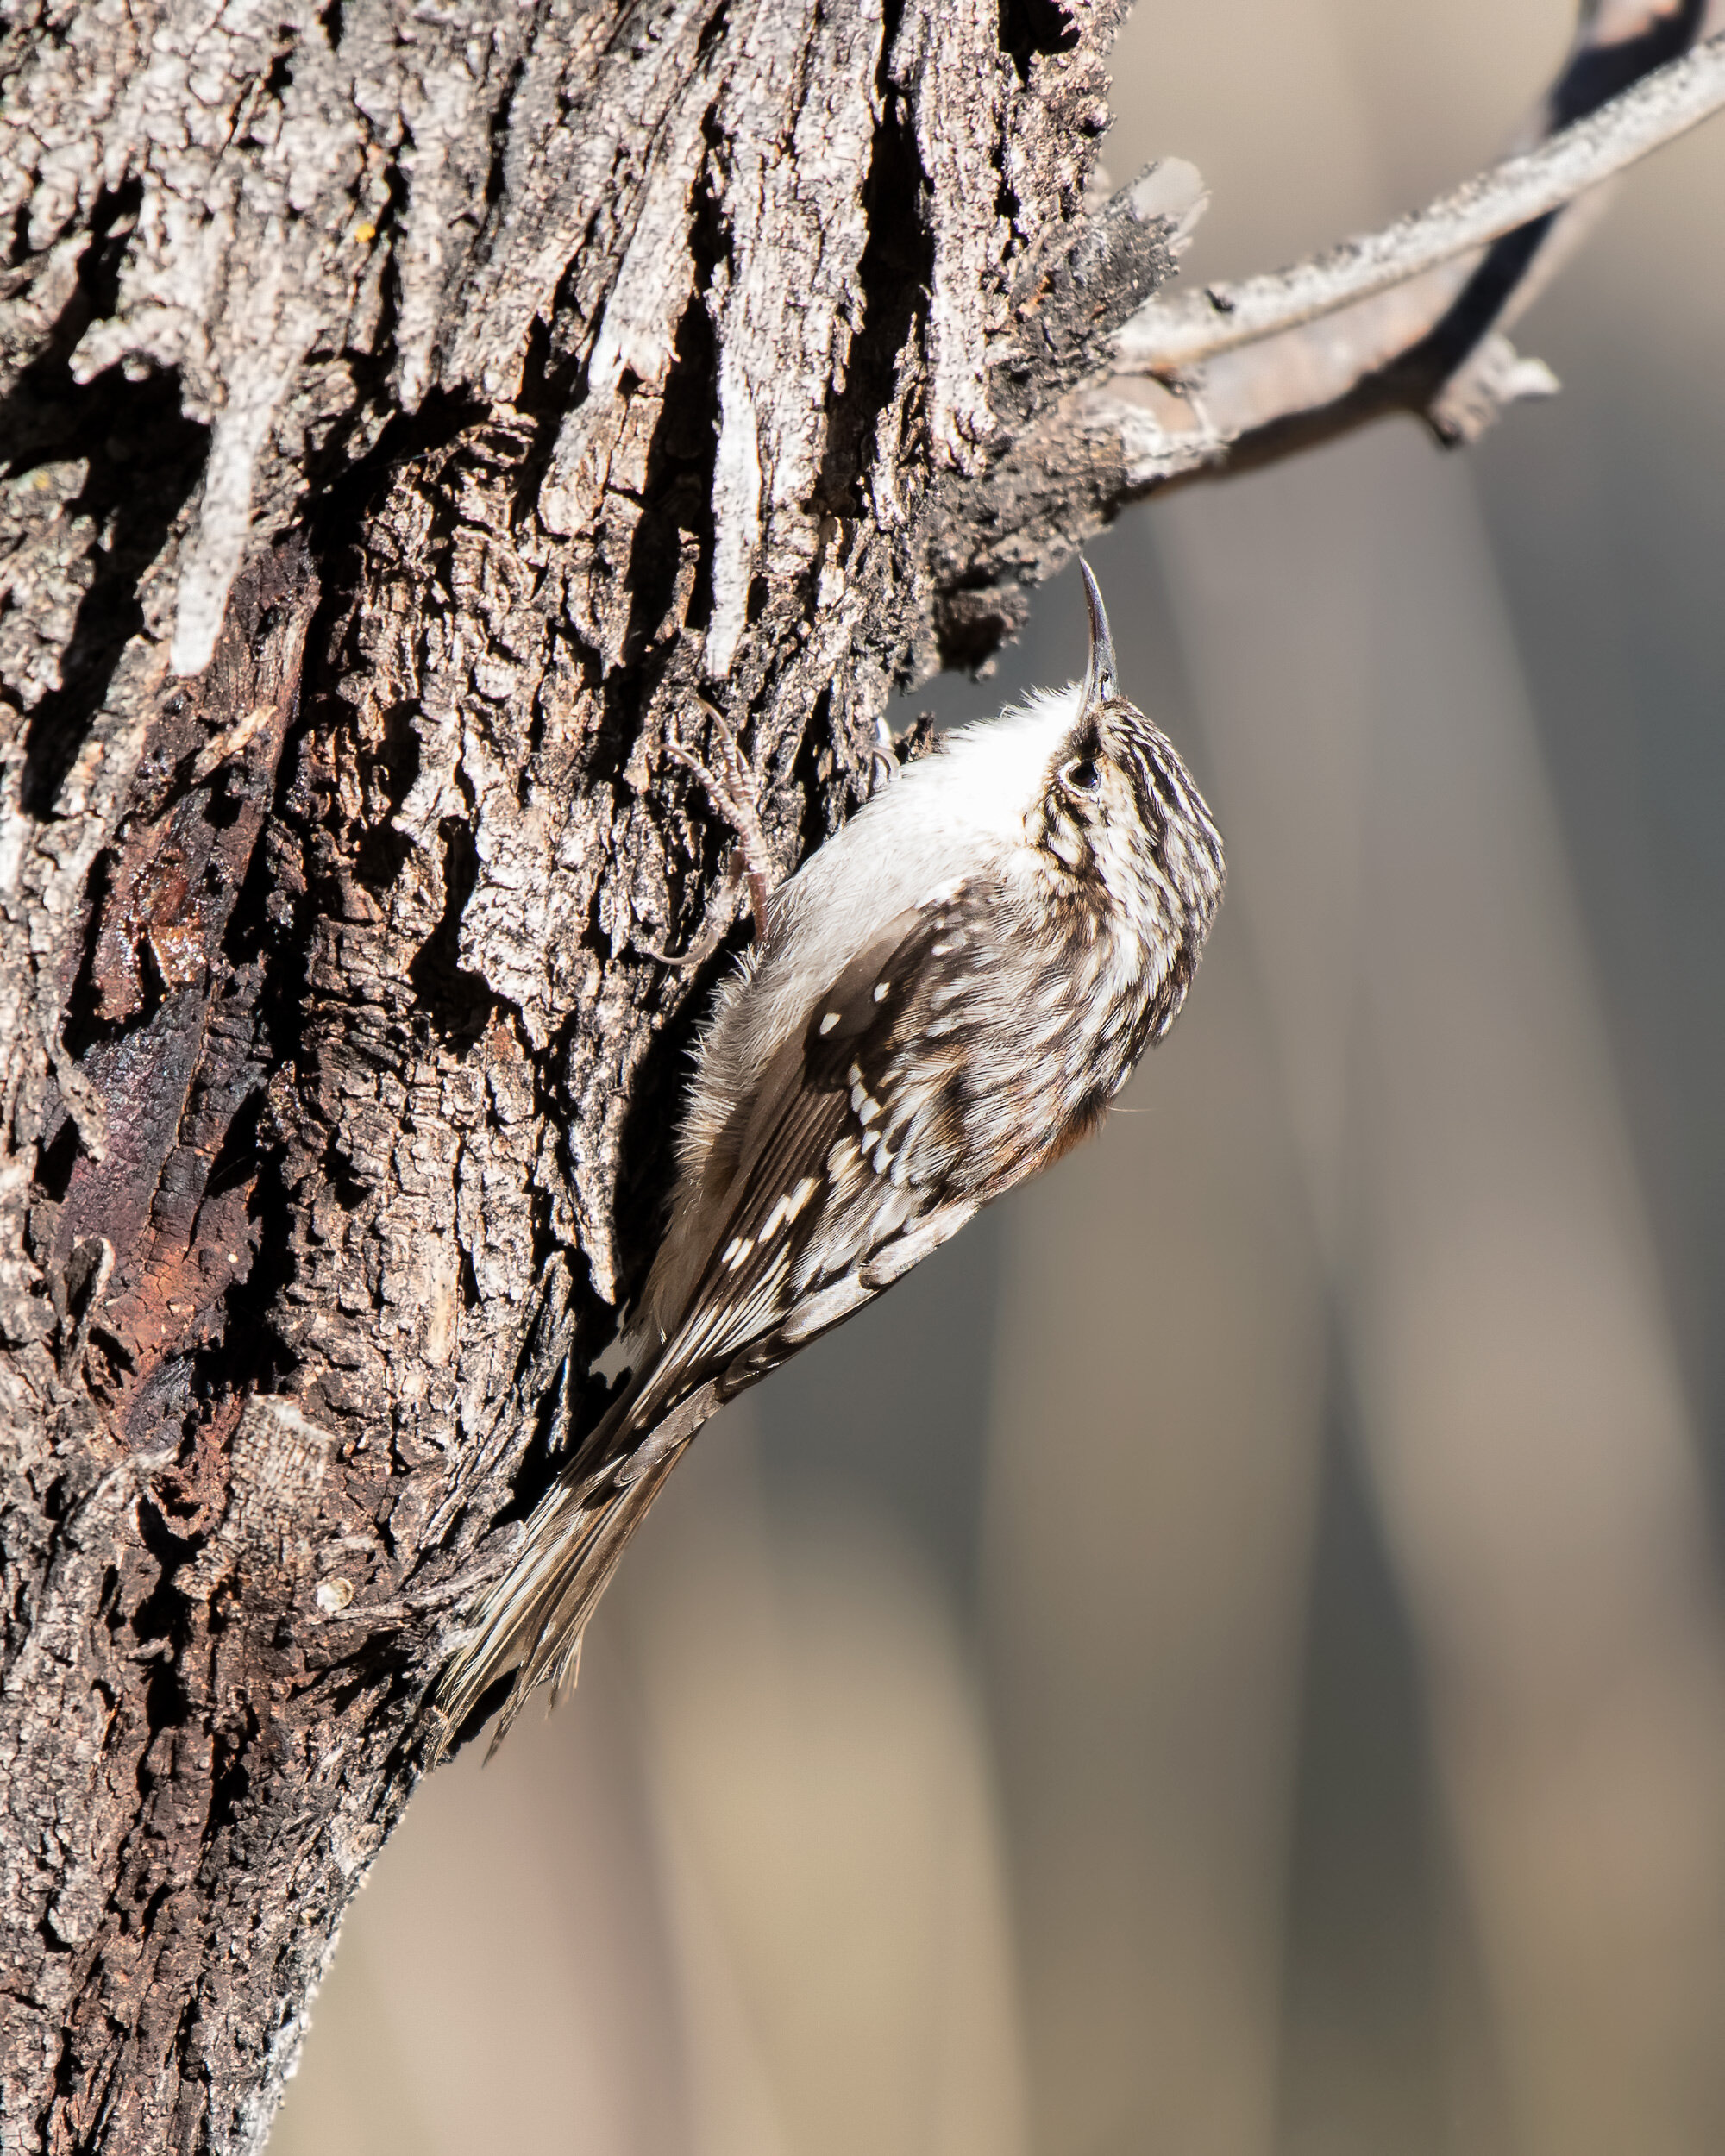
(852, 1164)
(851, 1167)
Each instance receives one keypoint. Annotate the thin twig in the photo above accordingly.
(1432, 345)
(1168, 337)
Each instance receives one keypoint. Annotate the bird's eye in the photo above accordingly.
(1081, 776)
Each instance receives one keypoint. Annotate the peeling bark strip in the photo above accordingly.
(408, 417)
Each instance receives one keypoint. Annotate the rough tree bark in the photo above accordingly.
(409, 413)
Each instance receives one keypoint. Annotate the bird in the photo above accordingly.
(942, 1000)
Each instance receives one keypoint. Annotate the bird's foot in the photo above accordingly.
(735, 792)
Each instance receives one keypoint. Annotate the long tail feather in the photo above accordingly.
(532, 1621)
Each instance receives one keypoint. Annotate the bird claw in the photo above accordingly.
(883, 759)
(892, 752)
(686, 961)
(735, 792)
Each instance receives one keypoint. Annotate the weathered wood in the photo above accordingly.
(409, 414)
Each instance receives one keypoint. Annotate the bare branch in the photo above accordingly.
(1167, 337)
(1427, 340)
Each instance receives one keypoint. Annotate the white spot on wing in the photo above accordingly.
(938, 893)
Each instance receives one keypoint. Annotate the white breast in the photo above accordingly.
(959, 812)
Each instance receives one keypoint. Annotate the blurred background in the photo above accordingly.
(1227, 1660)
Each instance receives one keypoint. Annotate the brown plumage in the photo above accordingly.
(949, 993)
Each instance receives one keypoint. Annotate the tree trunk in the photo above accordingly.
(411, 416)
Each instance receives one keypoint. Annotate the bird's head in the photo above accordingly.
(1119, 813)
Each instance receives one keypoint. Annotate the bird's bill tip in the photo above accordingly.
(1100, 682)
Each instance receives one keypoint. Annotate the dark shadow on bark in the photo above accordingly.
(143, 459)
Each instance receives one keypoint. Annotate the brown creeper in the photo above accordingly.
(949, 995)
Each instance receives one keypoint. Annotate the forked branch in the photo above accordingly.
(1169, 337)
(1409, 319)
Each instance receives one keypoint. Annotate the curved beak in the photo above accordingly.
(1100, 686)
